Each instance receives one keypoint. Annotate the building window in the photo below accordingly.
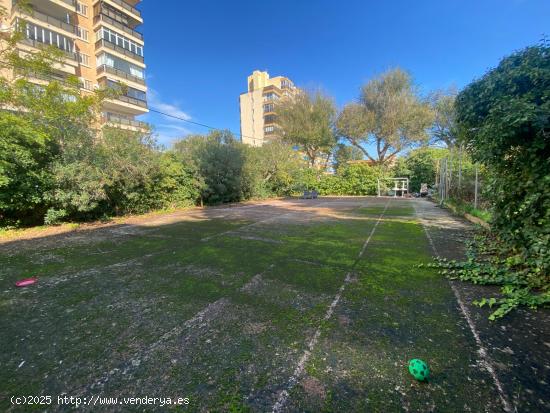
(84, 59)
(82, 33)
(119, 40)
(270, 118)
(81, 9)
(46, 36)
(269, 129)
(271, 96)
(119, 64)
(86, 84)
(269, 107)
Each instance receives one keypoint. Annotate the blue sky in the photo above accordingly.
(199, 53)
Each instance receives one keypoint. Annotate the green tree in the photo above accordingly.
(219, 160)
(420, 166)
(444, 127)
(278, 166)
(307, 120)
(345, 153)
(390, 116)
(54, 159)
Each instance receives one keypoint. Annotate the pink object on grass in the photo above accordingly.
(26, 281)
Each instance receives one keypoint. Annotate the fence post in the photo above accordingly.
(460, 169)
(476, 188)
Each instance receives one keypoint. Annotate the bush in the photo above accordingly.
(54, 216)
(25, 153)
(505, 123)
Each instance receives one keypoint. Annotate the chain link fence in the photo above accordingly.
(460, 181)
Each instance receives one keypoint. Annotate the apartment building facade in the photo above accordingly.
(101, 45)
(257, 106)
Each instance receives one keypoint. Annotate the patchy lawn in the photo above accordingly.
(282, 305)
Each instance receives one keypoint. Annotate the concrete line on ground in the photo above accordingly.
(298, 371)
(486, 361)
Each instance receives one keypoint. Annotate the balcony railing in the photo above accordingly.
(52, 20)
(116, 48)
(132, 101)
(117, 72)
(126, 6)
(111, 118)
(38, 45)
(105, 18)
(48, 77)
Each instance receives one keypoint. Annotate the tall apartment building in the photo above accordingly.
(257, 106)
(101, 45)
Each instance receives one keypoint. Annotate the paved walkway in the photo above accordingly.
(518, 345)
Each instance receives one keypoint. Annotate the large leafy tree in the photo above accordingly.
(307, 121)
(444, 127)
(53, 158)
(390, 116)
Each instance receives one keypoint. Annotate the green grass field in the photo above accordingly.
(279, 306)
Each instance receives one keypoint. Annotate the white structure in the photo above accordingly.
(397, 187)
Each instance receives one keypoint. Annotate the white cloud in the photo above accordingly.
(170, 109)
(163, 126)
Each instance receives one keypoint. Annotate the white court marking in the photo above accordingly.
(210, 310)
(284, 394)
(485, 358)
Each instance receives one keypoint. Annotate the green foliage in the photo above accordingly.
(24, 156)
(219, 159)
(390, 116)
(54, 216)
(345, 153)
(420, 166)
(460, 207)
(489, 263)
(351, 179)
(444, 128)
(505, 123)
(360, 179)
(307, 121)
(277, 168)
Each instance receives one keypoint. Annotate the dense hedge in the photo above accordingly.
(505, 123)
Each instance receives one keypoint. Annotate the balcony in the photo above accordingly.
(116, 72)
(68, 4)
(127, 7)
(106, 17)
(49, 20)
(38, 45)
(119, 121)
(45, 77)
(52, 21)
(107, 44)
(132, 101)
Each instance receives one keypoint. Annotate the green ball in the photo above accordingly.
(419, 369)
